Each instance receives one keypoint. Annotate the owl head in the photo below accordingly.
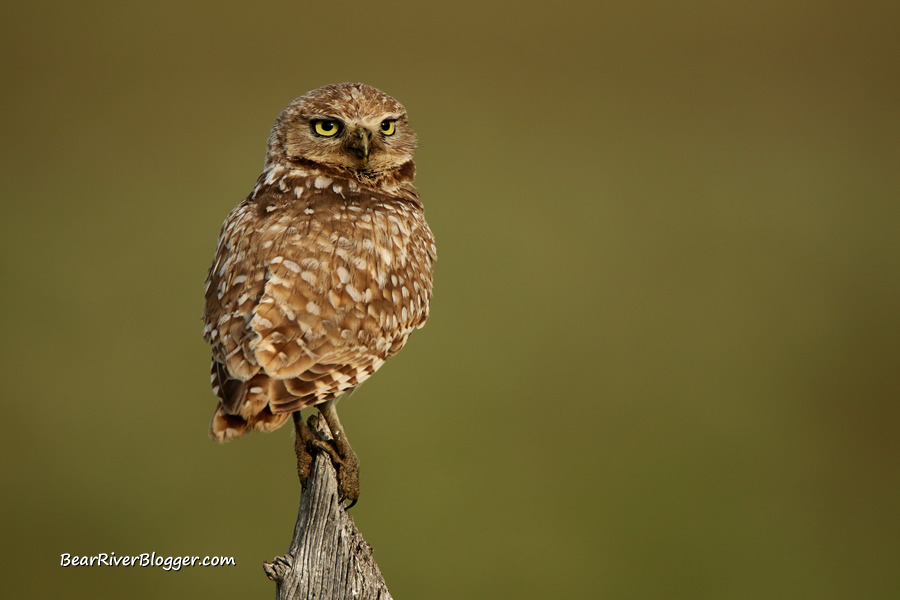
(348, 126)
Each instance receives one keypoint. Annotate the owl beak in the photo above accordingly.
(359, 144)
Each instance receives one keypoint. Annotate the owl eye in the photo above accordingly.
(326, 127)
(388, 126)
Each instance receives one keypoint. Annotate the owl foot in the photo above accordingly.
(310, 438)
(342, 455)
(347, 465)
(304, 437)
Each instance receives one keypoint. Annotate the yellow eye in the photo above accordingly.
(388, 126)
(326, 128)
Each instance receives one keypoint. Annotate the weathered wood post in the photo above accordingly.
(328, 558)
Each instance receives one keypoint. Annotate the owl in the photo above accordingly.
(322, 273)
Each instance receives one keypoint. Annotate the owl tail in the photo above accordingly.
(226, 427)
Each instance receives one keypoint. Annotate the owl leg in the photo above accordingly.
(341, 453)
(304, 435)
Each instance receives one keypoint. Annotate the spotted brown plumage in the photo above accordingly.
(325, 269)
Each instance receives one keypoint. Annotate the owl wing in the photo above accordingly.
(233, 287)
(236, 284)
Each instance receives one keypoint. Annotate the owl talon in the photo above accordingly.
(347, 465)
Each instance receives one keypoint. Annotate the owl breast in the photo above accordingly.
(317, 280)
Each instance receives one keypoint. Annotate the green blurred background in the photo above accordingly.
(664, 353)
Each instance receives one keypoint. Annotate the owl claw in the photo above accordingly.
(347, 465)
(342, 456)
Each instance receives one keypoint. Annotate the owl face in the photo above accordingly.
(349, 126)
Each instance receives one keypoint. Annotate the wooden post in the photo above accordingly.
(328, 558)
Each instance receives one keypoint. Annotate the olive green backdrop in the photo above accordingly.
(664, 353)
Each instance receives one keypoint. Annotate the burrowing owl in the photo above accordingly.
(323, 271)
